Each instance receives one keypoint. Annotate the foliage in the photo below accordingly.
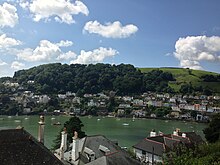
(212, 132)
(205, 154)
(124, 79)
(72, 125)
(157, 81)
(199, 79)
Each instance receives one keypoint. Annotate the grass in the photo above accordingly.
(184, 75)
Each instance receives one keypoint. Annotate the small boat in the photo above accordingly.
(98, 119)
(52, 118)
(26, 118)
(125, 124)
(9, 117)
(133, 119)
(17, 121)
(57, 123)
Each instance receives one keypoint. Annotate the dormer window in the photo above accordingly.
(90, 154)
(104, 149)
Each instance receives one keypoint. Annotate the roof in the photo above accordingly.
(106, 152)
(160, 144)
(151, 146)
(19, 147)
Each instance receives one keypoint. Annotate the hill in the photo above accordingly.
(124, 79)
(187, 76)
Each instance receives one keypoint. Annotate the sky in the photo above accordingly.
(144, 33)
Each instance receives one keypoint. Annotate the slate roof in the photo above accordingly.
(18, 147)
(115, 156)
(151, 146)
(161, 144)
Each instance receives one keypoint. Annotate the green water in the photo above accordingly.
(126, 131)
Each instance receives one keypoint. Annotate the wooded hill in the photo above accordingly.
(124, 79)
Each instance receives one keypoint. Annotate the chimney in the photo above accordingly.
(41, 129)
(183, 135)
(75, 149)
(63, 145)
(152, 133)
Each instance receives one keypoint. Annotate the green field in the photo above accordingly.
(183, 76)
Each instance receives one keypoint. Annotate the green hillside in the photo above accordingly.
(186, 76)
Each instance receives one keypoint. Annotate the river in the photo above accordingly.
(125, 130)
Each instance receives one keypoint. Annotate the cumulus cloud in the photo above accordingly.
(193, 49)
(45, 52)
(24, 4)
(8, 15)
(6, 42)
(110, 30)
(17, 65)
(65, 43)
(66, 56)
(60, 10)
(94, 56)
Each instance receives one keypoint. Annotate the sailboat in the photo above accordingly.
(133, 118)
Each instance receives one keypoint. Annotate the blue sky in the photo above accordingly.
(145, 33)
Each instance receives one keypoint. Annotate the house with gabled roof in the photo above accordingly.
(93, 150)
(151, 149)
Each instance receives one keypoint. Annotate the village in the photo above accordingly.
(148, 105)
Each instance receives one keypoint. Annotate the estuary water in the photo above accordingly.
(126, 131)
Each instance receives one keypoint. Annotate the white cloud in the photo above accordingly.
(6, 42)
(65, 43)
(2, 63)
(17, 65)
(45, 52)
(24, 4)
(95, 56)
(66, 56)
(193, 49)
(60, 10)
(8, 15)
(110, 30)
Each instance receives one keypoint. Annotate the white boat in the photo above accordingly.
(125, 124)
(17, 121)
(98, 119)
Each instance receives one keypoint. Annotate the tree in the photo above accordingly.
(212, 132)
(72, 125)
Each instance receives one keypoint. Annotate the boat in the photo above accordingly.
(125, 124)
(133, 118)
(57, 123)
(98, 119)
(17, 121)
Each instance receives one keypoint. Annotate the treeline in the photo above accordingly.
(211, 78)
(124, 79)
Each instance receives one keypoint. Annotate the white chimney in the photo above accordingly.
(175, 133)
(41, 129)
(63, 145)
(183, 135)
(75, 149)
(153, 133)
